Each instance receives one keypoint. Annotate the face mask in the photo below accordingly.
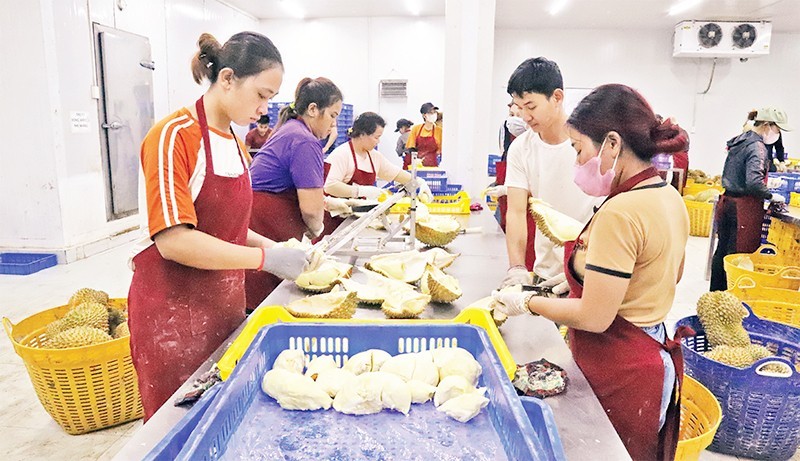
(516, 126)
(430, 118)
(590, 180)
(771, 137)
(404, 136)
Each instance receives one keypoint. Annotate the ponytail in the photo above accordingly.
(320, 91)
(205, 63)
(245, 53)
(668, 137)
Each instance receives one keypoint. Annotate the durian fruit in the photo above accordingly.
(404, 304)
(556, 226)
(395, 393)
(721, 314)
(318, 364)
(690, 197)
(56, 327)
(421, 392)
(90, 314)
(440, 257)
(407, 266)
(743, 357)
(88, 295)
(451, 387)
(334, 305)
(294, 243)
(708, 195)
(443, 288)
(437, 231)
(121, 330)
(77, 337)
(362, 395)
(332, 380)
(465, 406)
(746, 263)
(456, 361)
(367, 294)
(368, 360)
(116, 317)
(293, 360)
(294, 391)
(325, 277)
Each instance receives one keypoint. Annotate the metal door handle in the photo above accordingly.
(112, 125)
(148, 64)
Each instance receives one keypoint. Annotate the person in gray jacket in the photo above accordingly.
(744, 177)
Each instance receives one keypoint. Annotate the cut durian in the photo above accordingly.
(333, 305)
(368, 360)
(88, 295)
(90, 314)
(294, 391)
(451, 387)
(456, 361)
(121, 330)
(78, 337)
(556, 226)
(443, 288)
(293, 360)
(362, 395)
(408, 266)
(465, 406)
(437, 231)
(325, 277)
(318, 364)
(367, 294)
(440, 257)
(332, 380)
(295, 244)
(404, 304)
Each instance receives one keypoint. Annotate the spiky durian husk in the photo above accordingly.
(405, 304)
(744, 357)
(443, 288)
(556, 226)
(90, 314)
(433, 237)
(77, 337)
(88, 295)
(115, 318)
(440, 257)
(334, 305)
(121, 330)
(55, 328)
(721, 314)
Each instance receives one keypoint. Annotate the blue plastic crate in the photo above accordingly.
(25, 263)
(492, 164)
(505, 413)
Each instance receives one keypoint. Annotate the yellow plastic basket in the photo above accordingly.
(794, 199)
(268, 315)
(771, 270)
(84, 388)
(786, 237)
(700, 214)
(700, 418)
(772, 304)
(695, 188)
(442, 204)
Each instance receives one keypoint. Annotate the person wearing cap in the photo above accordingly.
(404, 128)
(744, 177)
(426, 138)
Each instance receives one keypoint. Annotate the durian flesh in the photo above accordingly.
(408, 266)
(333, 305)
(405, 304)
(556, 226)
(323, 278)
(294, 391)
(440, 257)
(443, 288)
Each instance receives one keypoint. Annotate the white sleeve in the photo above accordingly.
(384, 169)
(516, 168)
(342, 167)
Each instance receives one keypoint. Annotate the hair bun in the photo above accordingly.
(206, 58)
(668, 137)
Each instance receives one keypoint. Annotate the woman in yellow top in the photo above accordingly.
(623, 269)
(426, 138)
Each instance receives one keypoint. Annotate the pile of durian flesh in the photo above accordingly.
(90, 320)
(374, 380)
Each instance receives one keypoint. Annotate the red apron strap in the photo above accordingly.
(201, 117)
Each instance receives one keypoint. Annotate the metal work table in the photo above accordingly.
(791, 216)
(585, 431)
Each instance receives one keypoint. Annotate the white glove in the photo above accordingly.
(337, 206)
(517, 275)
(286, 263)
(557, 284)
(512, 303)
(497, 191)
(425, 195)
(311, 234)
(780, 166)
(368, 192)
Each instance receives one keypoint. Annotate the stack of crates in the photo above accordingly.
(492, 165)
(343, 123)
(437, 181)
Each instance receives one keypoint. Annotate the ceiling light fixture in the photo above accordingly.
(557, 6)
(682, 6)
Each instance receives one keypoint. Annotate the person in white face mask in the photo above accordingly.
(426, 138)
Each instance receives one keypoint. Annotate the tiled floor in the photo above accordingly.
(28, 433)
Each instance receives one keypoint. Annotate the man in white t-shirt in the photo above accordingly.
(540, 164)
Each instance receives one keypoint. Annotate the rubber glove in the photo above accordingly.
(780, 166)
(512, 303)
(286, 263)
(517, 275)
(557, 284)
(337, 206)
(314, 233)
(497, 191)
(425, 195)
(368, 192)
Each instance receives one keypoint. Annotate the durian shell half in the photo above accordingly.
(366, 294)
(443, 288)
(334, 305)
(556, 226)
(437, 232)
(440, 257)
(329, 271)
(408, 266)
(405, 304)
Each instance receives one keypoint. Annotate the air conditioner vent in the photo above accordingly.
(722, 39)
(394, 88)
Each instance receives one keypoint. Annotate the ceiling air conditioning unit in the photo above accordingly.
(394, 88)
(721, 39)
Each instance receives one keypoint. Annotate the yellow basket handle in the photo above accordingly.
(745, 281)
(9, 328)
(790, 273)
(767, 249)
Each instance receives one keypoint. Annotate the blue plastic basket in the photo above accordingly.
(760, 413)
(520, 439)
(492, 164)
(25, 263)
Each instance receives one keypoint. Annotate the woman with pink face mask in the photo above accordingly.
(744, 177)
(426, 138)
(623, 269)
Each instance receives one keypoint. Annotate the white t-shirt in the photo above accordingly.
(546, 171)
(342, 167)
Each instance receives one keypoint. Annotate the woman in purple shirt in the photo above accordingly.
(287, 175)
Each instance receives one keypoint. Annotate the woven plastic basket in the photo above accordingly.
(760, 410)
(700, 214)
(786, 237)
(700, 418)
(770, 269)
(84, 388)
(773, 304)
(694, 188)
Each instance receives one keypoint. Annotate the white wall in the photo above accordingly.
(643, 60)
(52, 191)
(356, 53)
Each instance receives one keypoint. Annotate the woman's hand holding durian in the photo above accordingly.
(513, 303)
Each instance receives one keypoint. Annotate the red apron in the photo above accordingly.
(625, 370)
(179, 315)
(502, 202)
(360, 177)
(749, 217)
(427, 150)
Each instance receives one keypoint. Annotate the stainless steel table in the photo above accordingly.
(585, 431)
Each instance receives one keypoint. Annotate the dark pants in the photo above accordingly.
(726, 244)
(738, 231)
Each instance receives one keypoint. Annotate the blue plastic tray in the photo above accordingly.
(520, 439)
(25, 263)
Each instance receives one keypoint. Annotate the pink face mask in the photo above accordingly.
(590, 180)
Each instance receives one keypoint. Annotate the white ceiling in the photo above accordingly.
(527, 14)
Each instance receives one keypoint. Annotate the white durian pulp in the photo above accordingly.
(465, 406)
(425, 369)
(369, 360)
(450, 387)
(379, 357)
(395, 394)
(421, 392)
(440, 257)
(294, 391)
(292, 360)
(319, 363)
(332, 380)
(361, 396)
(401, 365)
(456, 361)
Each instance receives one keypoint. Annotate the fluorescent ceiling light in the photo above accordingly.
(683, 5)
(557, 6)
(293, 9)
